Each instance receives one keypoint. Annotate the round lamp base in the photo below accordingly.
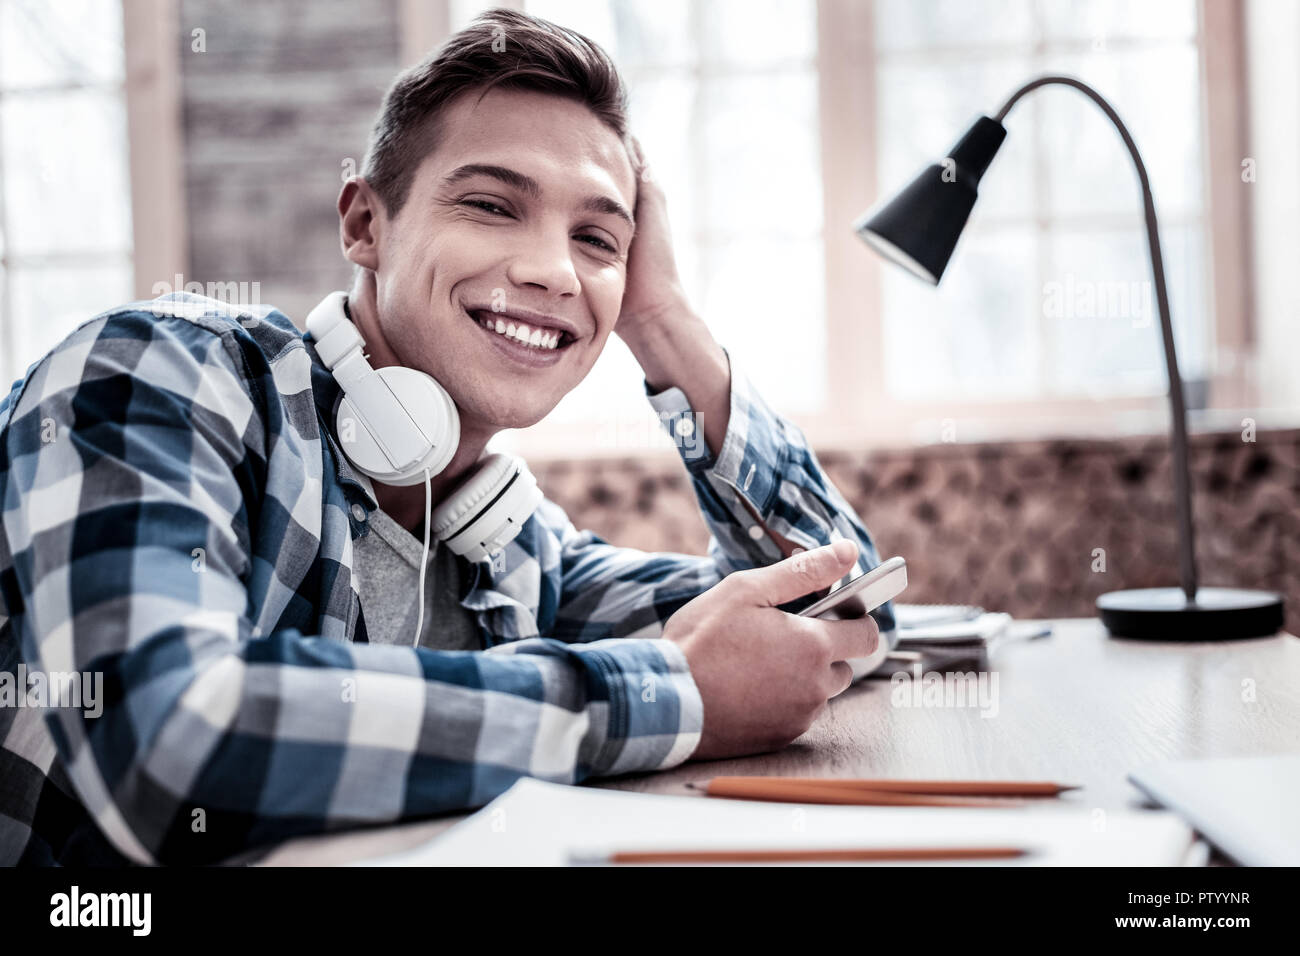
(1165, 614)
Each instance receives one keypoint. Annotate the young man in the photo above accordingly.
(181, 523)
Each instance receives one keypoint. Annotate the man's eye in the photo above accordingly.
(494, 209)
(485, 206)
(599, 242)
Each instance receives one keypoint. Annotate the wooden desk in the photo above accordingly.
(1075, 707)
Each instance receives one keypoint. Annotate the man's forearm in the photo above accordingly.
(677, 349)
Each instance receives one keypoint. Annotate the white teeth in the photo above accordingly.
(524, 334)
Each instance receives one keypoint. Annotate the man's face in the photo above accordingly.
(475, 262)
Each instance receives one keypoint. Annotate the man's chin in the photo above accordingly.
(492, 416)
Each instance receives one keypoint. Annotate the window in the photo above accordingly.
(65, 199)
(1051, 295)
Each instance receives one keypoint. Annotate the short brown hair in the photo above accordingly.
(502, 48)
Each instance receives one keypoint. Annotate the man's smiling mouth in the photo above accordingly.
(520, 333)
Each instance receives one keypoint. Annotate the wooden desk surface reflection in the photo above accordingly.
(1076, 707)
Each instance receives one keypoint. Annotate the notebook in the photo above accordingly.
(1246, 806)
(548, 824)
(980, 629)
(925, 615)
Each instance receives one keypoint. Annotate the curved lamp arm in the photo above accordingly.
(1182, 478)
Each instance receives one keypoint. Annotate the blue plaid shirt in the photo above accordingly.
(178, 522)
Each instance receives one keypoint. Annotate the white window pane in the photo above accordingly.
(614, 386)
(759, 32)
(463, 11)
(57, 42)
(593, 19)
(665, 117)
(765, 302)
(9, 360)
(49, 303)
(975, 336)
(664, 114)
(918, 24)
(1156, 93)
(925, 108)
(1101, 19)
(1102, 322)
(65, 172)
(762, 155)
(1187, 271)
(636, 33)
(653, 32)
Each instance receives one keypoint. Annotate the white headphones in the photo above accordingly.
(399, 426)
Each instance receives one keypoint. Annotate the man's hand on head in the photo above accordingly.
(653, 294)
(670, 341)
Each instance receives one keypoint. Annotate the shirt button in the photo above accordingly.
(685, 427)
(755, 532)
(359, 512)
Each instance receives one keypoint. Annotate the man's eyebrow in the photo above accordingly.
(530, 187)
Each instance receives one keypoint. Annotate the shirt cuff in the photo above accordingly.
(656, 714)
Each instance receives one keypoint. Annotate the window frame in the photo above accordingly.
(151, 40)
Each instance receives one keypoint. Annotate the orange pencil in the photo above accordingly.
(880, 854)
(803, 791)
(986, 788)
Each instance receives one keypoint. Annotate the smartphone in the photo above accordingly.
(863, 594)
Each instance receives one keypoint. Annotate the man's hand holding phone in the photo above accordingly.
(765, 674)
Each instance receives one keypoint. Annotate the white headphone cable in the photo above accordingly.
(424, 557)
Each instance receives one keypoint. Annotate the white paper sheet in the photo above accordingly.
(545, 824)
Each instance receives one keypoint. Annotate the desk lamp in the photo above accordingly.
(918, 230)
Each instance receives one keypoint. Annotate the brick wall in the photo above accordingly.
(284, 93)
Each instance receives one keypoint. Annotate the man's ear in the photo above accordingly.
(361, 214)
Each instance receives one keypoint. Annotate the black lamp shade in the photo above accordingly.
(919, 228)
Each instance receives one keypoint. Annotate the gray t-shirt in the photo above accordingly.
(386, 562)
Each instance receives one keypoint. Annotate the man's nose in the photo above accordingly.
(545, 262)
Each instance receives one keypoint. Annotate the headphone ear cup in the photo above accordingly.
(489, 509)
(406, 391)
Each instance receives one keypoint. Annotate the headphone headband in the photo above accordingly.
(328, 325)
